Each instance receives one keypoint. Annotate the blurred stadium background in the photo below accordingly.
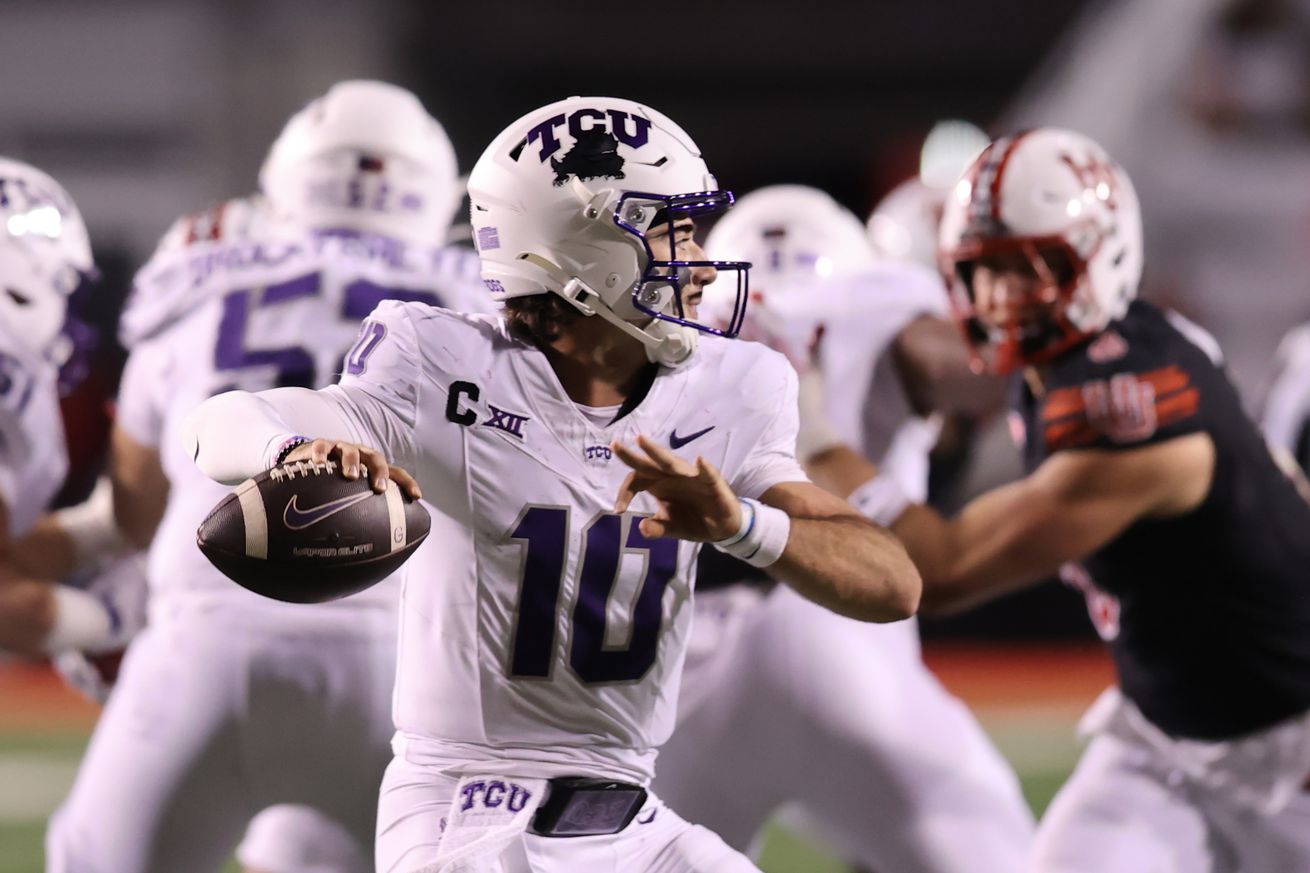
(147, 109)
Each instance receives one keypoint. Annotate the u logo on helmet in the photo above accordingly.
(1097, 176)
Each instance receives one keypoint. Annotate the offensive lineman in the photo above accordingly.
(539, 671)
(229, 702)
(896, 775)
(1144, 468)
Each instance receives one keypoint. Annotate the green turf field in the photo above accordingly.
(37, 765)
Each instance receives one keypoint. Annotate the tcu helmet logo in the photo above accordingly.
(596, 135)
(1096, 176)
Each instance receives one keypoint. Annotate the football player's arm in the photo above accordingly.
(840, 560)
(936, 373)
(237, 435)
(1020, 533)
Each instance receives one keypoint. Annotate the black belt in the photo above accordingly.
(576, 806)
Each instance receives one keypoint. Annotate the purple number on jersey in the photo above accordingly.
(545, 532)
(294, 365)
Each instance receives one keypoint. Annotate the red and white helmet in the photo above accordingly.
(365, 156)
(44, 257)
(1058, 199)
(561, 202)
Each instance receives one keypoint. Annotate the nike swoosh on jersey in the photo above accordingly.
(296, 518)
(678, 442)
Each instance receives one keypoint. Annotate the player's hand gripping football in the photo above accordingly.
(695, 500)
(352, 458)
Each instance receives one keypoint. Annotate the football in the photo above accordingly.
(303, 533)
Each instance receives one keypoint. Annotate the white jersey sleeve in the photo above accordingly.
(1286, 417)
(393, 385)
(773, 460)
(142, 393)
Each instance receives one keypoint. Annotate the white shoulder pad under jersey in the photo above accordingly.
(557, 625)
(258, 315)
(1287, 407)
(33, 454)
(865, 398)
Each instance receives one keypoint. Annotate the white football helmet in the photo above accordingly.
(798, 240)
(561, 202)
(904, 225)
(365, 156)
(44, 257)
(1059, 200)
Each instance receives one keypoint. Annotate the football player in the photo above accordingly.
(1287, 407)
(896, 775)
(45, 258)
(588, 442)
(1144, 468)
(229, 703)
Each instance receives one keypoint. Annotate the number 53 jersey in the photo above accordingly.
(545, 636)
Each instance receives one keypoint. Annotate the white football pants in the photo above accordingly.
(416, 803)
(1122, 812)
(219, 713)
(784, 702)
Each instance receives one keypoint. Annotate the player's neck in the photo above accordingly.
(597, 364)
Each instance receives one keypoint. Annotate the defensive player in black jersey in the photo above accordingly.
(1152, 489)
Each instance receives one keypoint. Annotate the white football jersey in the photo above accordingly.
(864, 397)
(550, 638)
(33, 454)
(1287, 405)
(216, 316)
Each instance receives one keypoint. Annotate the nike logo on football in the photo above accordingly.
(678, 442)
(296, 518)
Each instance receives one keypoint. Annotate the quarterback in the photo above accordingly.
(588, 442)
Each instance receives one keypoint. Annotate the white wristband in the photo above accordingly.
(881, 500)
(762, 536)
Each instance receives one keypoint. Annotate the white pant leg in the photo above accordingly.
(1278, 843)
(843, 718)
(161, 787)
(416, 802)
(657, 841)
(291, 838)
(218, 714)
(1119, 812)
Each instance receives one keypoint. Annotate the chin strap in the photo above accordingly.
(666, 343)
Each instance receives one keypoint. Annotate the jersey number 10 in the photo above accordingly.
(544, 530)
